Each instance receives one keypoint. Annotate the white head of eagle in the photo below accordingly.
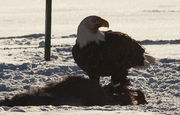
(88, 30)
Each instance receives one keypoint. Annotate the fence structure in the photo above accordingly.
(48, 30)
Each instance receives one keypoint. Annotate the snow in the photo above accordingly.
(82, 112)
(154, 23)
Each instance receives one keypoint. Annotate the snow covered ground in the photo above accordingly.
(154, 23)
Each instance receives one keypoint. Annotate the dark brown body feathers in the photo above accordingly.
(112, 57)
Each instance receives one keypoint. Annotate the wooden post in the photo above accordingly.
(48, 30)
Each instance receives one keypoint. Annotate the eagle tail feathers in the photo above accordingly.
(147, 62)
(150, 59)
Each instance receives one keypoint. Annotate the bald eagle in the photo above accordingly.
(107, 53)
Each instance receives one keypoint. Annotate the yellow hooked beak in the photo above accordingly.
(104, 23)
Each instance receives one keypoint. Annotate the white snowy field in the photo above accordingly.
(81, 112)
(154, 23)
(23, 67)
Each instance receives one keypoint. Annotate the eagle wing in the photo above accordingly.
(124, 49)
